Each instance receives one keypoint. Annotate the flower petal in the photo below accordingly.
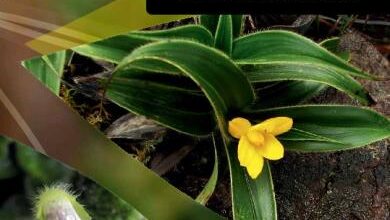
(272, 148)
(255, 137)
(239, 127)
(255, 167)
(246, 151)
(275, 126)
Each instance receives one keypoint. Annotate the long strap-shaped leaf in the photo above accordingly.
(285, 46)
(209, 188)
(208, 68)
(329, 127)
(211, 22)
(332, 44)
(285, 93)
(197, 33)
(294, 92)
(281, 71)
(237, 21)
(48, 69)
(116, 48)
(251, 199)
(224, 34)
(184, 110)
(204, 65)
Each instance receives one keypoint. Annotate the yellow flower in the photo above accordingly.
(258, 141)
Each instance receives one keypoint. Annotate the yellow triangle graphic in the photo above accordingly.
(112, 19)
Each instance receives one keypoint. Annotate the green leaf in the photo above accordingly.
(293, 92)
(210, 22)
(163, 100)
(237, 25)
(224, 34)
(116, 48)
(328, 127)
(197, 62)
(112, 49)
(251, 199)
(332, 44)
(281, 71)
(263, 194)
(193, 32)
(298, 135)
(209, 188)
(48, 69)
(285, 46)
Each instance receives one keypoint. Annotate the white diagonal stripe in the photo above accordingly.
(21, 122)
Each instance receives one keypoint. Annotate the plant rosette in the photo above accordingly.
(193, 78)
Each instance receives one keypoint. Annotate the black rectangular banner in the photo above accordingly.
(266, 6)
